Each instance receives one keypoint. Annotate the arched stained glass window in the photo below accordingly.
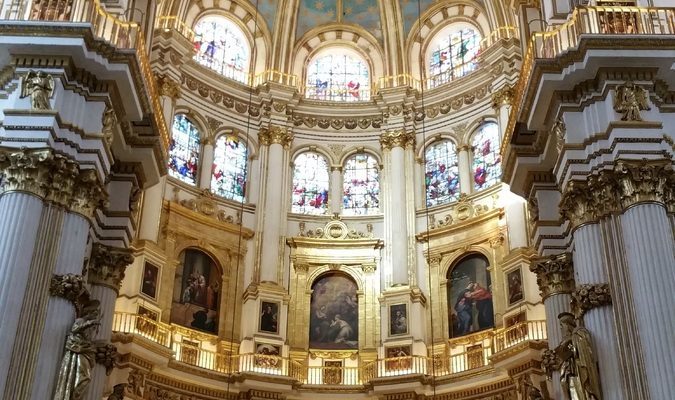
(310, 184)
(453, 53)
(338, 75)
(221, 45)
(229, 168)
(487, 169)
(361, 185)
(441, 173)
(184, 150)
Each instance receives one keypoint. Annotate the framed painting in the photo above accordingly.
(398, 319)
(332, 372)
(269, 317)
(398, 358)
(514, 281)
(267, 355)
(150, 280)
(470, 307)
(334, 313)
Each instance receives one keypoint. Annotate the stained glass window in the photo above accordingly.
(310, 184)
(442, 173)
(338, 75)
(487, 168)
(454, 53)
(184, 150)
(220, 45)
(228, 178)
(361, 185)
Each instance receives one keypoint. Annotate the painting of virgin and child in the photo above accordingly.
(334, 313)
(470, 297)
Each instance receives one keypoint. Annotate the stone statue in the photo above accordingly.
(579, 376)
(80, 355)
(108, 122)
(40, 87)
(630, 100)
(118, 392)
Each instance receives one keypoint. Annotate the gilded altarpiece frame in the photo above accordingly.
(335, 249)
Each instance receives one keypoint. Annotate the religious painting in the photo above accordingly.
(332, 372)
(150, 279)
(196, 295)
(269, 317)
(334, 312)
(514, 281)
(144, 322)
(398, 319)
(470, 307)
(267, 355)
(398, 358)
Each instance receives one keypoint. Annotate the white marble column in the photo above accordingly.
(19, 222)
(205, 171)
(336, 189)
(465, 178)
(650, 256)
(277, 139)
(589, 269)
(501, 103)
(151, 211)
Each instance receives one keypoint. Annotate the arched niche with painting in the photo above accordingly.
(470, 307)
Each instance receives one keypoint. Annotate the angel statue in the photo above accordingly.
(629, 100)
(80, 355)
(40, 87)
(579, 376)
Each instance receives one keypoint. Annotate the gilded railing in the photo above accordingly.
(521, 332)
(171, 22)
(586, 20)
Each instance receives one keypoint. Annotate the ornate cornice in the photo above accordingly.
(275, 134)
(503, 96)
(397, 138)
(555, 275)
(610, 191)
(590, 296)
(107, 265)
(52, 177)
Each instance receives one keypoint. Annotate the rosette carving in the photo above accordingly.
(588, 297)
(555, 275)
(107, 265)
(397, 138)
(275, 134)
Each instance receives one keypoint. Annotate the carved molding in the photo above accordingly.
(555, 275)
(397, 138)
(610, 191)
(53, 177)
(589, 296)
(275, 134)
(107, 265)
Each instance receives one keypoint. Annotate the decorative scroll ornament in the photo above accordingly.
(40, 87)
(335, 230)
(397, 138)
(106, 355)
(463, 210)
(108, 121)
(587, 297)
(206, 204)
(555, 275)
(629, 100)
(275, 134)
(107, 265)
(579, 376)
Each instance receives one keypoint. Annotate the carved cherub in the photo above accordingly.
(40, 87)
(629, 100)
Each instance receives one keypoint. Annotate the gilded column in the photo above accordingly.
(465, 181)
(394, 144)
(278, 139)
(106, 271)
(555, 278)
(501, 103)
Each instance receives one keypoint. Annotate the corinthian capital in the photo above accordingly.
(555, 275)
(107, 265)
(397, 138)
(644, 181)
(503, 96)
(167, 86)
(25, 171)
(275, 134)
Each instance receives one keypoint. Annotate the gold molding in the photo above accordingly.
(397, 138)
(275, 134)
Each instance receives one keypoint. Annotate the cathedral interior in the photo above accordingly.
(337, 199)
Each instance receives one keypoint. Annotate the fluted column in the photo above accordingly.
(278, 140)
(106, 271)
(501, 103)
(593, 299)
(336, 191)
(464, 160)
(206, 164)
(555, 278)
(394, 144)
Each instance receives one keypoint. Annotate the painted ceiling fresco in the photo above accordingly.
(409, 9)
(313, 13)
(365, 13)
(268, 10)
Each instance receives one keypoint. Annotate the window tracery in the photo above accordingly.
(221, 45)
(486, 167)
(338, 75)
(441, 173)
(453, 54)
(184, 150)
(361, 185)
(228, 177)
(310, 184)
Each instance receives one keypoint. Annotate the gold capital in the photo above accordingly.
(503, 96)
(275, 134)
(555, 275)
(107, 265)
(397, 138)
(167, 86)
